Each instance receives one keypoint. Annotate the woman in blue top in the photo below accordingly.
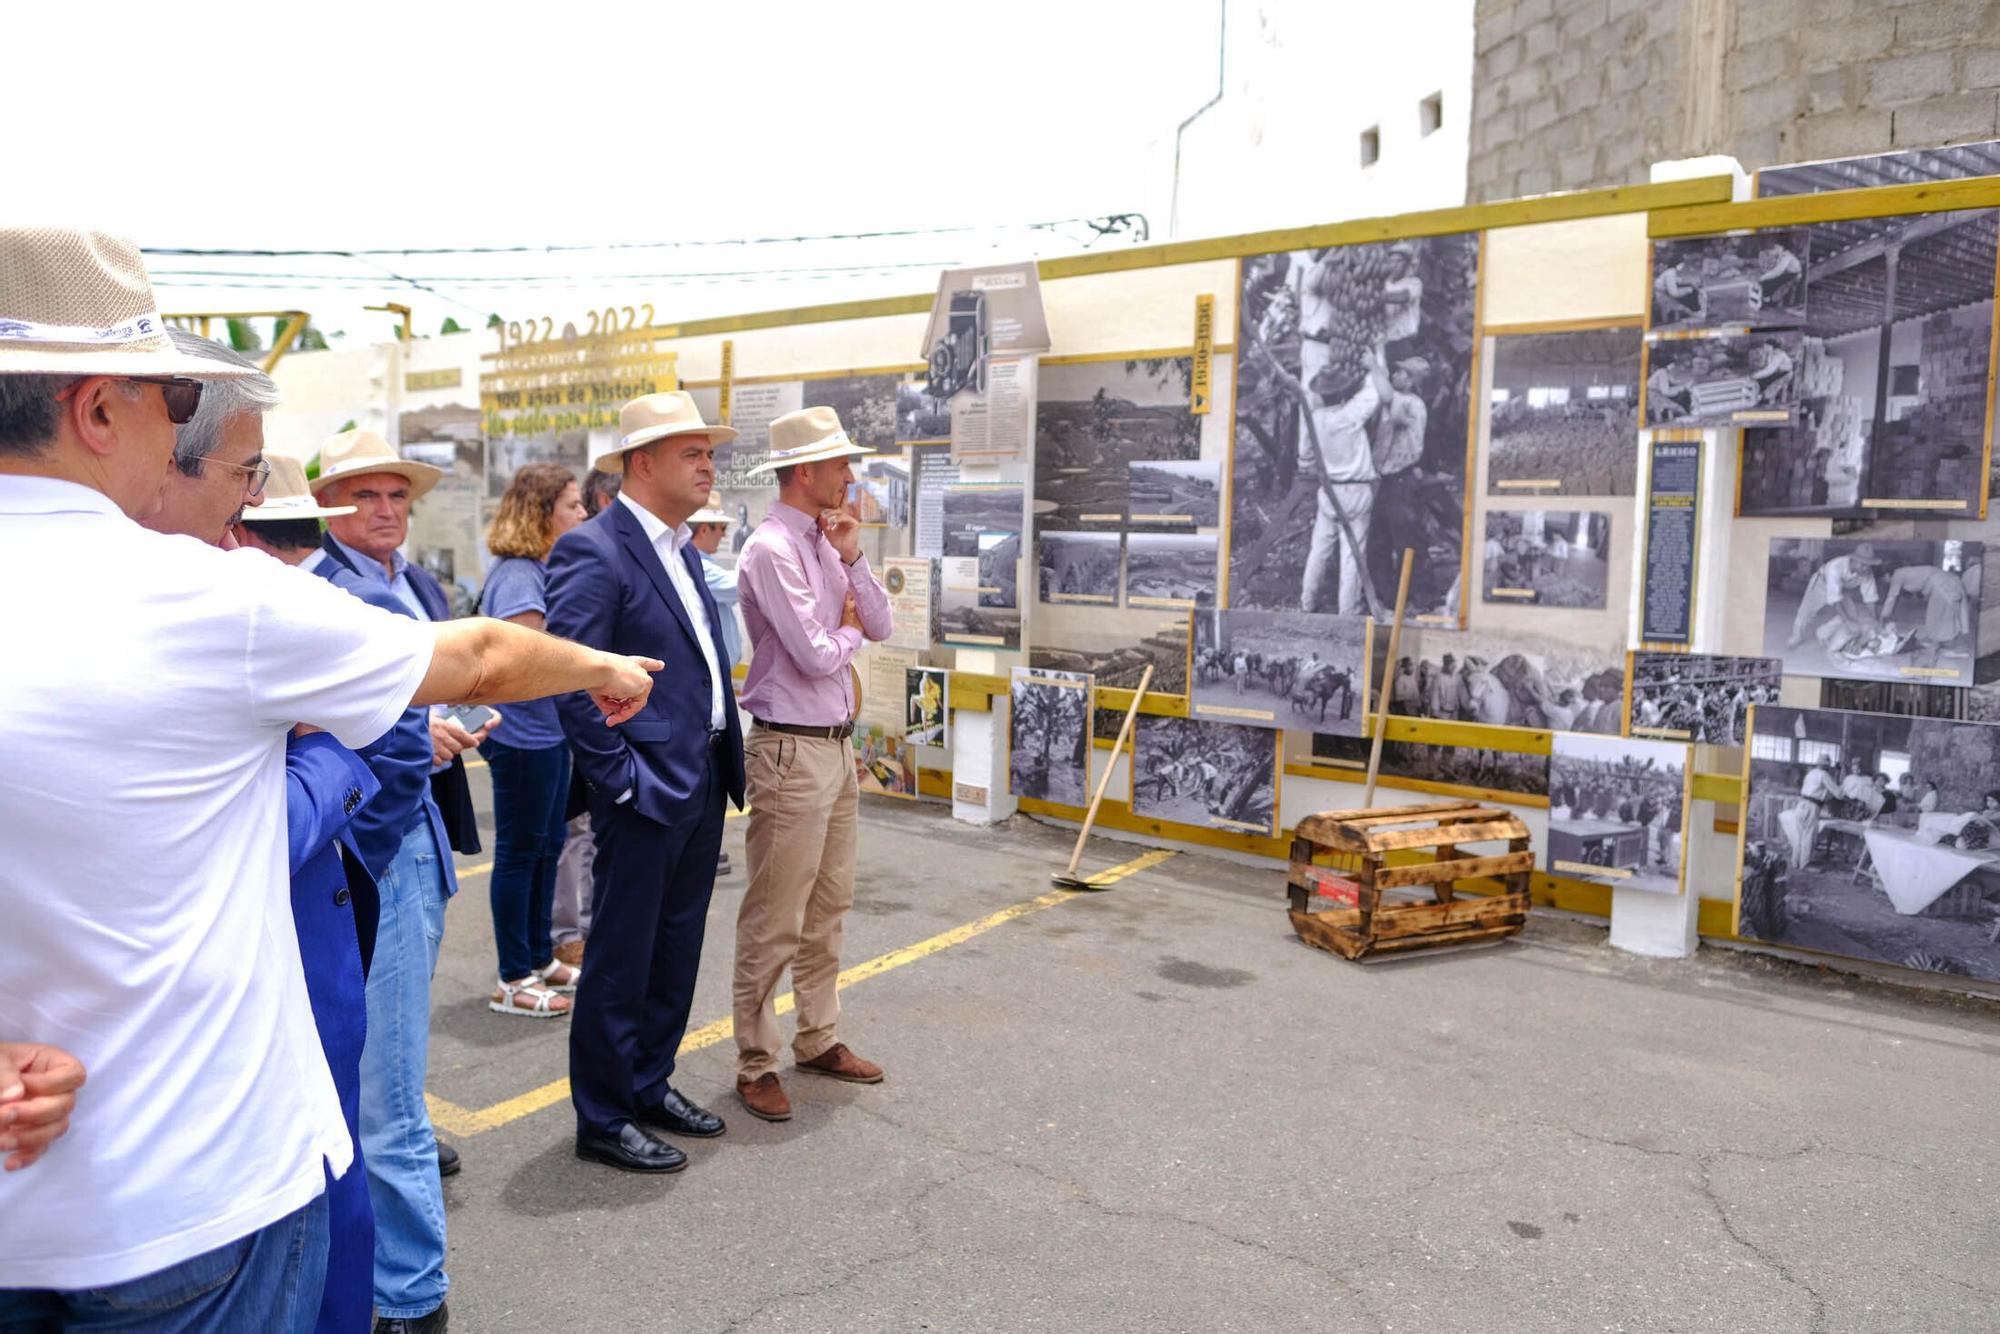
(526, 753)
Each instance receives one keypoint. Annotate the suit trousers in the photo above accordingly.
(803, 797)
(649, 911)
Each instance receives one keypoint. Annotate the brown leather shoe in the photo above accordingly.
(571, 953)
(765, 1097)
(840, 1063)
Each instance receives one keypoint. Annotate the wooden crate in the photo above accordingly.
(1353, 907)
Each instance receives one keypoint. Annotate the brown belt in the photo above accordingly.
(837, 732)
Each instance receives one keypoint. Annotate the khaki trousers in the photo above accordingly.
(803, 798)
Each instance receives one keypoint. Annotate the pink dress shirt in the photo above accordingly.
(792, 585)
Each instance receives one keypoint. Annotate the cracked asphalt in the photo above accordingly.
(1154, 1109)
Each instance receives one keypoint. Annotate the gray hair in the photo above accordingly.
(222, 401)
(28, 412)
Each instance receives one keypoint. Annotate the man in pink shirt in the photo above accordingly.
(809, 600)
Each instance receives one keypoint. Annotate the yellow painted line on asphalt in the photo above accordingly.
(477, 868)
(465, 1121)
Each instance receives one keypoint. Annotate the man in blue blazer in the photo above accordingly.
(631, 577)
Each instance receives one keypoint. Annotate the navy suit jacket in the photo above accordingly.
(608, 589)
(400, 759)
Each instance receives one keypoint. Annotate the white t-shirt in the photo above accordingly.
(147, 684)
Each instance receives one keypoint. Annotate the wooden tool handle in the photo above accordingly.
(1389, 675)
(1124, 730)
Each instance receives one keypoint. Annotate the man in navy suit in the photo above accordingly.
(631, 576)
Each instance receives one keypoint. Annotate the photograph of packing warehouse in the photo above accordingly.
(1355, 370)
(1546, 558)
(1184, 492)
(1466, 769)
(1280, 669)
(1093, 421)
(1755, 279)
(1078, 567)
(1891, 611)
(1171, 569)
(1874, 837)
(1723, 379)
(1513, 680)
(1562, 417)
(1048, 736)
(1699, 697)
(1618, 812)
(1893, 386)
(1202, 773)
(1970, 704)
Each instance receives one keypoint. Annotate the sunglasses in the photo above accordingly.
(182, 396)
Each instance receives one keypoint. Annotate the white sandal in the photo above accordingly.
(569, 974)
(543, 1006)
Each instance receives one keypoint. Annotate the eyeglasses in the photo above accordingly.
(260, 471)
(182, 397)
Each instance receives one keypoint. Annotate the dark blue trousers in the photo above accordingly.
(530, 790)
(651, 886)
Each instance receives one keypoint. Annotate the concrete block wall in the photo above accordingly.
(1576, 94)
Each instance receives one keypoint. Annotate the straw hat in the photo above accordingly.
(712, 512)
(286, 495)
(353, 453)
(75, 302)
(655, 417)
(1864, 554)
(810, 435)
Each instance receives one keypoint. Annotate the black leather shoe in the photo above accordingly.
(448, 1163)
(433, 1323)
(676, 1115)
(630, 1150)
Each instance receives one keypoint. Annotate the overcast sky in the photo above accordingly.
(373, 125)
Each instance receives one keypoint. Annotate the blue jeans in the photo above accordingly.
(269, 1280)
(530, 792)
(396, 1138)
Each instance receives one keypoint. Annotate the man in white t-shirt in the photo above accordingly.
(145, 886)
(1342, 414)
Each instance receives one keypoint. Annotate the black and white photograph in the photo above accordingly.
(1751, 280)
(1048, 736)
(1355, 375)
(999, 570)
(1699, 697)
(1969, 704)
(1281, 669)
(1563, 413)
(1723, 379)
(1176, 492)
(1114, 646)
(1874, 837)
(1873, 610)
(879, 495)
(1893, 386)
(1078, 567)
(921, 419)
(1618, 812)
(1202, 773)
(1093, 420)
(1546, 558)
(508, 454)
(1454, 770)
(1507, 680)
(964, 619)
(866, 404)
(1171, 569)
(1906, 166)
(973, 508)
(926, 706)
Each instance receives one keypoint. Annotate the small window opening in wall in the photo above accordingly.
(1371, 145)
(1430, 113)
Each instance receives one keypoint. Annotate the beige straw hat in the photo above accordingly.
(75, 302)
(286, 495)
(712, 512)
(809, 435)
(655, 417)
(352, 453)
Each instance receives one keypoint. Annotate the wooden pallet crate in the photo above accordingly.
(1361, 906)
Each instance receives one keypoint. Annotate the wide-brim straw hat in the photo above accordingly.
(712, 512)
(653, 417)
(810, 435)
(76, 302)
(287, 495)
(357, 453)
